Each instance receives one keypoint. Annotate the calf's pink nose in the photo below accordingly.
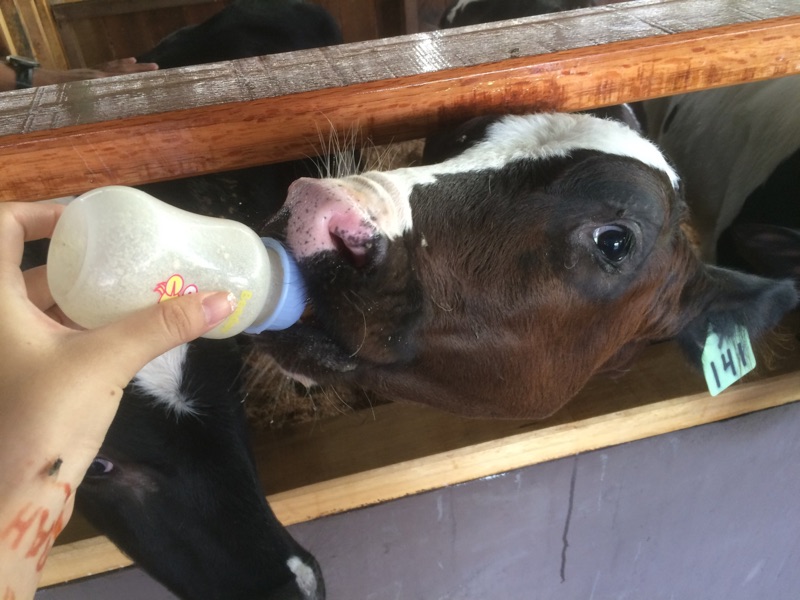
(325, 215)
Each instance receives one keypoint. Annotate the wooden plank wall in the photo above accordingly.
(65, 139)
(65, 34)
(27, 28)
(95, 31)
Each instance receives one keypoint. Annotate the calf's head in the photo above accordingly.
(175, 487)
(533, 253)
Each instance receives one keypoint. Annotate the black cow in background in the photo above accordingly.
(244, 29)
(175, 485)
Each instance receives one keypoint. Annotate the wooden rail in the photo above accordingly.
(60, 140)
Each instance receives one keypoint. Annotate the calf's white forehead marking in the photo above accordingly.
(304, 575)
(162, 377)
(542, 136)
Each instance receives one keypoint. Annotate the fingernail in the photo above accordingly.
(218, 307)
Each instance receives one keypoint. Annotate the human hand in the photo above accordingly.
(60, 388)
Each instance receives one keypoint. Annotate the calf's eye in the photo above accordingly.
(99, 467)
(614, 241)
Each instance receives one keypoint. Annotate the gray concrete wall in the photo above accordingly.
(710, 513)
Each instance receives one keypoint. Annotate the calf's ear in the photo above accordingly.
(722, 299)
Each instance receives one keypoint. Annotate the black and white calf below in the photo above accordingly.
(176, 488)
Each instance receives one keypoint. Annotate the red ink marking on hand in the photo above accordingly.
(41, 536)
(45, 533)
(47, 541)
(20, 524)
(67, 490)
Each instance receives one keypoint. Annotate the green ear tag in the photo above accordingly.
(726, 360)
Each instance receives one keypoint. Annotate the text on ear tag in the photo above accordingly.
(727, 359)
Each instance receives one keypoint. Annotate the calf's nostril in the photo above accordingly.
(354, 254)
(357, 249)
(326, 216)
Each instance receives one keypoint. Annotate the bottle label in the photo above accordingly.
(176, 286)
(237, 314)
(173, 287)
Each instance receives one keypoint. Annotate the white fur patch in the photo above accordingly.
(162, 377)
(531, 137)
(306, 580)
(378, 198)
(547, 135)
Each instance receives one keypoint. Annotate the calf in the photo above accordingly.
(539, 251)
(176, 488)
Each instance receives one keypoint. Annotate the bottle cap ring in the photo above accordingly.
(292, 299)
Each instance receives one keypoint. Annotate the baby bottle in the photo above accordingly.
(116, 250)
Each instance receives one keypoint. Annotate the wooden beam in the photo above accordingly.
(60, 140)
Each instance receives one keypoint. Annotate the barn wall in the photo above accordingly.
(709, 512)
(85, 33)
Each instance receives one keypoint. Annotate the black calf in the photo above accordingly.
(176, 488)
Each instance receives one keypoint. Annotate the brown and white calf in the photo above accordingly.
(535, 252)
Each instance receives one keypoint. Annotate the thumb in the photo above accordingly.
(127, 345)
